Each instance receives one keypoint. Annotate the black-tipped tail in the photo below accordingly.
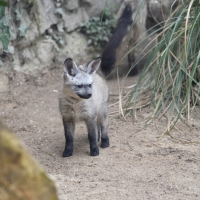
(109, 54)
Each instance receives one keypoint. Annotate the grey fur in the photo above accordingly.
(84, 96)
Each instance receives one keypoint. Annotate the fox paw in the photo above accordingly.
(104, 142)
(67, 152)
(94, 151)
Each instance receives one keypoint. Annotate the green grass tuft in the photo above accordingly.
(170, 79)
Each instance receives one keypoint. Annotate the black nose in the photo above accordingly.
(89, 95)
(86, 96)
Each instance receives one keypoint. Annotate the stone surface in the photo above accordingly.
(32, 30)
(21, 177)
(159, 10)
(72, 5)
(76, 48)
(33, 19)
(95, 7)
(45, 51)
(74, 19)
(35, 58)
(46, 14)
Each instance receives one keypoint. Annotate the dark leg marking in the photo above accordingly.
(69, 137)
(92, 136)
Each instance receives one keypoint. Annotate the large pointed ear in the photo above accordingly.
(70, 67)
(93, 65)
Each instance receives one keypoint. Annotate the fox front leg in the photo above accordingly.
(69, 137)
(104, 134)
(92, 136)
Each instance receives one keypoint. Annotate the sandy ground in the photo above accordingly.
(139, 164)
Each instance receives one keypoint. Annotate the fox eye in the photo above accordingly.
(80, 86)
(90, 85)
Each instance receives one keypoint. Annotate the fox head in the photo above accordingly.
(80, 79)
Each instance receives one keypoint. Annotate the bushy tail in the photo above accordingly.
(109, 54)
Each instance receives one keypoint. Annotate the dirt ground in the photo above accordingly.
(138, 164)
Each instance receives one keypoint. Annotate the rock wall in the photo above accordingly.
(44, 33)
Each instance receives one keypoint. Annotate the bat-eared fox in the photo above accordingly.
(84, 96)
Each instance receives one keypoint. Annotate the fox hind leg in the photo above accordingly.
(104, 131)
(99, 131)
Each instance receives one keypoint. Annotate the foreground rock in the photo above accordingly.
(21, 177)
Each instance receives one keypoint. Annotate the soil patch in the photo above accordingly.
(139, 164)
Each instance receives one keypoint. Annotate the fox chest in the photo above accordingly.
(78, 111)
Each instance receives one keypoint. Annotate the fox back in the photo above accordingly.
(84, 96)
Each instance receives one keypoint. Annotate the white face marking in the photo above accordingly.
(79, 79)
(80, 84)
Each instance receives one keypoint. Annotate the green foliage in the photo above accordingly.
(59, 39)
(23, 26)
(170, 79)
(99, 29)
(18, 15)
(3, 3)
(4, 26)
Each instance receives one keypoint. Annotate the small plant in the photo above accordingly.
(99, 29)
(4, 25)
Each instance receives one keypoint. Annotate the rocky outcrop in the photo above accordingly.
(95, 7)
(45, 32)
